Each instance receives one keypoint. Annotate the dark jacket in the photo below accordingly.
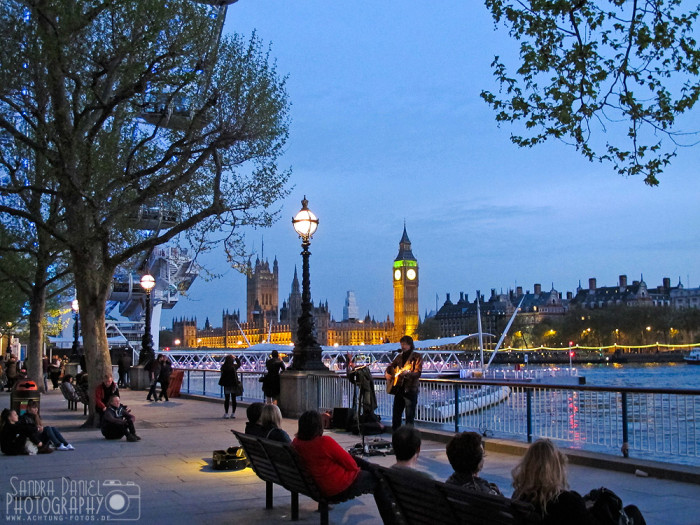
(114, 422)
(474, 483)
(229, 374)
(13, 438)
(153, 368)
(276, 434)
(166, 370)
(570, 508)
(253, 429)
(411, 360)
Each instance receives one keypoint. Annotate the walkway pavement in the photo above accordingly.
(173, 481)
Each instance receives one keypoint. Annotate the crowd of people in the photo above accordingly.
(540, 477)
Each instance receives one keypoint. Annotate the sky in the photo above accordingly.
(387, 128)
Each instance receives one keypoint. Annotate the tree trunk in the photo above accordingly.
(92, 285)
(35, 348)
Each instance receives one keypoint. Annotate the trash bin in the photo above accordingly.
(24, 392)
(175, 383)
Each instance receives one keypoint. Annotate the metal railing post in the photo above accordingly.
(625, 429)
(204, 382)
(456, 389)
(528, 397)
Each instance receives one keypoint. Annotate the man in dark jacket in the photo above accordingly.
(166, 370)
(403, 373)
(118, 421)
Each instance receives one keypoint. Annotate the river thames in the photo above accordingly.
(647, 375)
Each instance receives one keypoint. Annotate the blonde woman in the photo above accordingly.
(271, 421)
(540, 479)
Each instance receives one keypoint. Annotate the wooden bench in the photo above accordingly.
(422, 501)
(278, 463)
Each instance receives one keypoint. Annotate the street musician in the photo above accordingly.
(402, 377)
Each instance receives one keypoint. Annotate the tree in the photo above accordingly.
(600, 67)
(153, 128)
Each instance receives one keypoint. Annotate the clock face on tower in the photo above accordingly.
(397, 275)
(411, 274)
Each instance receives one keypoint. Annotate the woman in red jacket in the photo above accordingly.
(338, 475)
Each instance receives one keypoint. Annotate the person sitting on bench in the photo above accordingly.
(338, 475)
(253, 426)
(406, 442)
(465, 452)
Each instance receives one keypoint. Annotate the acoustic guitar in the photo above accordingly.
(395, 381)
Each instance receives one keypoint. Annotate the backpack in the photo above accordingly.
(606, 507)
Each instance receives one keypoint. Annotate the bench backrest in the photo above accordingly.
(418, 499)
(278, 463)
(422, 501)
(488, 509)
(258, 458)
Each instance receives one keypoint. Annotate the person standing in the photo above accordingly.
(271, 381)
(124, 365)
(45, 372)
(11, 371)
(403, 375)
(166, 370)
(55, 371)
(229, 382)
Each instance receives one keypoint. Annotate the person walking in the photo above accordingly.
(402, 377)
(230, 383)
(271, 381)
(153, 368)
(166, 370)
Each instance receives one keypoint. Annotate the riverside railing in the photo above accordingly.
(660, 424)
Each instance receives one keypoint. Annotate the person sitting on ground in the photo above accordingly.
(338, 474)
(271, 421)
(540, 479)
(104, 391)
(118, 421)
(46, 434)
(465, 452)
(17, 438)
(406, 443)
(253, 426)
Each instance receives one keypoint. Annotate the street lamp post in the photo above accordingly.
(307, 351)
(76, 329)
(147, 353)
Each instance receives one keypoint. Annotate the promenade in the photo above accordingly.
(173, 481)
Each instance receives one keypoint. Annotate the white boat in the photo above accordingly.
(693, 358)
(469, 401)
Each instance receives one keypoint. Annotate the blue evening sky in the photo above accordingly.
(387, 126)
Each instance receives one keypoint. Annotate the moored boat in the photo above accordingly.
(693, 358)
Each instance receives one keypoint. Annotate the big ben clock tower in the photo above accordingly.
(405, 276)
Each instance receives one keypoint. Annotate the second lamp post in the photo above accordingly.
(307, 351)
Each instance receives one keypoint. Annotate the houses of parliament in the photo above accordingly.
(266, 321)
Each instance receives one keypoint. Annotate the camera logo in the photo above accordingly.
(122, 500)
